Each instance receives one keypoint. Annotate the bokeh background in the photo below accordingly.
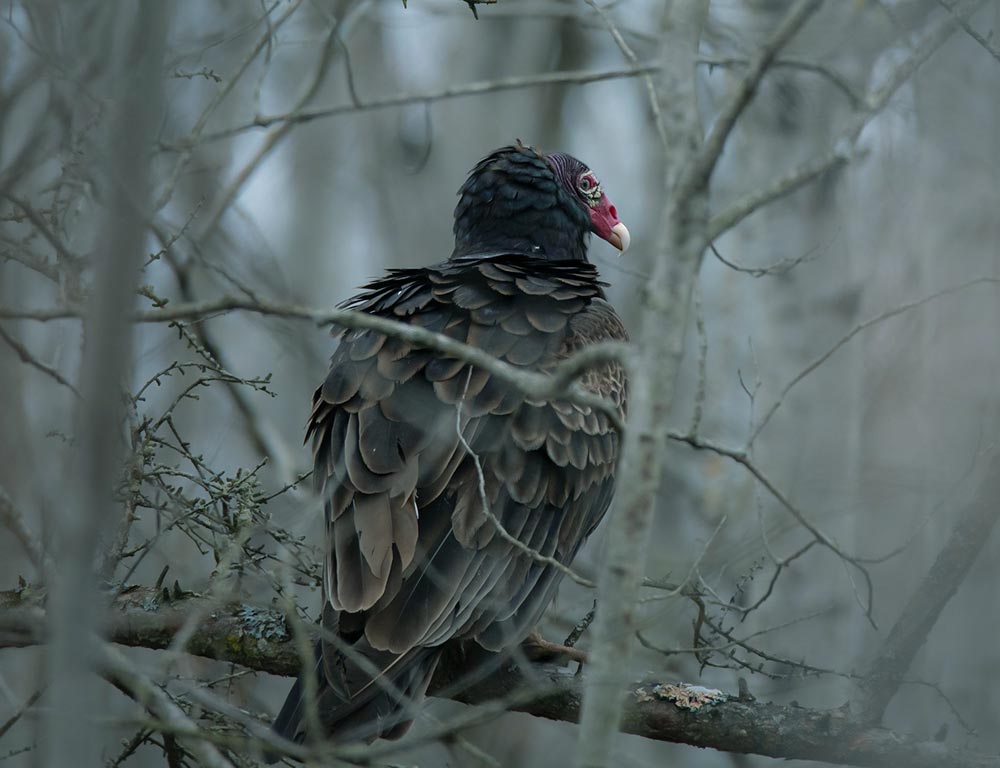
(880, 445)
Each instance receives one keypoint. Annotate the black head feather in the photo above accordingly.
(518, 200)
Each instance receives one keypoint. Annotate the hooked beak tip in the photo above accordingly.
(620, 237)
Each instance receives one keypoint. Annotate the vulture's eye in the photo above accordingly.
(590, 189)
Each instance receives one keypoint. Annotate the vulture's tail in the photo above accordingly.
(351, 704)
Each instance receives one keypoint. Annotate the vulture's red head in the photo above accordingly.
(519, 200)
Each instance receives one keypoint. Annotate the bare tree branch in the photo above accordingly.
(707, 158)
(742, 458)
(73, 212)
(578, 77)
(259, 639)
(231, 82)
(984, 42)
(568, 77)
(29, 359)
(556, 384)
(842, 149)
(131, 42)
(629, 54)
(126, 675)
(13, 520)
(921, 613)
(274, 138)
(837, 80)
(879, 318)
(667, 298)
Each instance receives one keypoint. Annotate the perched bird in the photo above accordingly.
(420, 458)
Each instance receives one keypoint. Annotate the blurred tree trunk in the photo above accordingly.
(131, 37)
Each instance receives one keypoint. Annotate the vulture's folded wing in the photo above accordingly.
(415, 555)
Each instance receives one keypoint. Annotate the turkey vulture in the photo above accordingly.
(409, 443)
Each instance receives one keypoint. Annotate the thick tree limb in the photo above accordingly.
(259, 639)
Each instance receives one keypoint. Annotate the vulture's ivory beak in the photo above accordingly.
(620, 237)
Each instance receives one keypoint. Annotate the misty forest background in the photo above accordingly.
(880, 445)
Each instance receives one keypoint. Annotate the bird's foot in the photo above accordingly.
(537, 648)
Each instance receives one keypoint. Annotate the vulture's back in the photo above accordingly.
(429, 467)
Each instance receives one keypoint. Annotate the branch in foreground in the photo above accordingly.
(666, 299)
(558, 383)
(258, 639)
(124, 673)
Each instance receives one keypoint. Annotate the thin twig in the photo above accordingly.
(29, 359)
(231, 82)
(334, 36)
(929, 598)
(843, 148)
(667, 296)
(984, 42)
(879, 318)
(568, 77)
(837, 80)
(741, 457)
(13, 520)
(151, 696)
(537, 385)
(629, 54)
(739, 726)
(710, 152)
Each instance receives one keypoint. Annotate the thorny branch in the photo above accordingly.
(557, 383)
(124, 673)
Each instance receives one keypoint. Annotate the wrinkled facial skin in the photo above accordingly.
(583, 185)
(603, 215)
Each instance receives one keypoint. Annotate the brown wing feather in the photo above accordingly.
(411, 552)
